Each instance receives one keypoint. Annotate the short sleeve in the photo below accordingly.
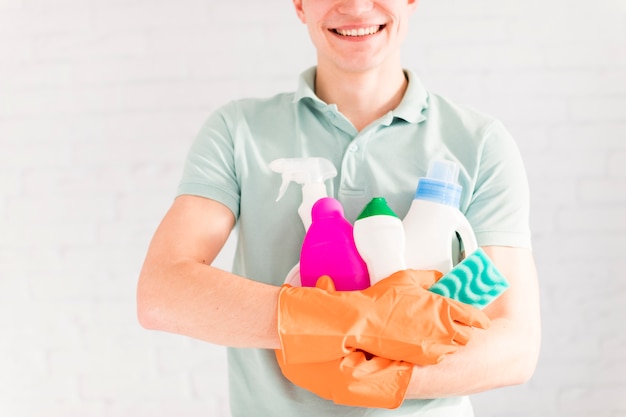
(499, 206)
(209, 169)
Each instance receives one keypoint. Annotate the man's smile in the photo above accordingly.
(358, 32)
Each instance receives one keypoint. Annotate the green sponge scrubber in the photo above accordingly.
(475, 281)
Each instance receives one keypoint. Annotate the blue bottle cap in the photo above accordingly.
(440, 184)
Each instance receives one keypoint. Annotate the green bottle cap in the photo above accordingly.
(376, 207)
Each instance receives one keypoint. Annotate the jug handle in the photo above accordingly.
(466, 233)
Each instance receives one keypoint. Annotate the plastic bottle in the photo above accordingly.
(329, 249)
(311, 173)
(434, 218)
(379, 238)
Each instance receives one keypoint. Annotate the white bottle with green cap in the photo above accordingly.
(379, 238)
(434, 220)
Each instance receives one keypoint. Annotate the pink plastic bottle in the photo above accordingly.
(329, 249)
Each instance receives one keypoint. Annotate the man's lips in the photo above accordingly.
(358, 32)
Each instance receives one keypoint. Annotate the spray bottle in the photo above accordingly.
(434, 218)
(311, 173)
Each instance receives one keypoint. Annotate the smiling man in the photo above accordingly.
(358, 54)
(394, 349)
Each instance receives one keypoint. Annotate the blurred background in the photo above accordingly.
(100, 100)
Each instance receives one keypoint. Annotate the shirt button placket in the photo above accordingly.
(353, 178)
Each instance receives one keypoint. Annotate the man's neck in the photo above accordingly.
(362, 97)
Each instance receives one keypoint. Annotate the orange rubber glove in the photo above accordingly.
(357, 379)
(396, 318)
(353, 380)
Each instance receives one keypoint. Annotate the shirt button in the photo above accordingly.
(353, 147)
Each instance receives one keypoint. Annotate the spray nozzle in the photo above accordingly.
(303, 171)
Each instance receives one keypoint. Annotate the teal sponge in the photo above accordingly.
(475, 281)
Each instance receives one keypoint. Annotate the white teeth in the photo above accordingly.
(358, 32)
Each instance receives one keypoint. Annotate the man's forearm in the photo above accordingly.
(494, 358)
(205, 303)
(179, 292)
(506, 353)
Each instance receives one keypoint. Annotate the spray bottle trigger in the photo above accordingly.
(283, 187)
(278, 165)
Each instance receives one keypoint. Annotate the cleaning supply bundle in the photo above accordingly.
(380, 243)
(359, 347)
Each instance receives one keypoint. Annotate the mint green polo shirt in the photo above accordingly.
(229, 162)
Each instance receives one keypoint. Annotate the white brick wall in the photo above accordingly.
(99, 100)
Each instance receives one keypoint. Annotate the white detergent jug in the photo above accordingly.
(434, 219)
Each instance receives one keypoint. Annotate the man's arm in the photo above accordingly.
(506, 353)
(180, 292)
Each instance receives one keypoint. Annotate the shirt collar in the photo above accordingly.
(411, 108)
(414, 102)
(306, 87)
